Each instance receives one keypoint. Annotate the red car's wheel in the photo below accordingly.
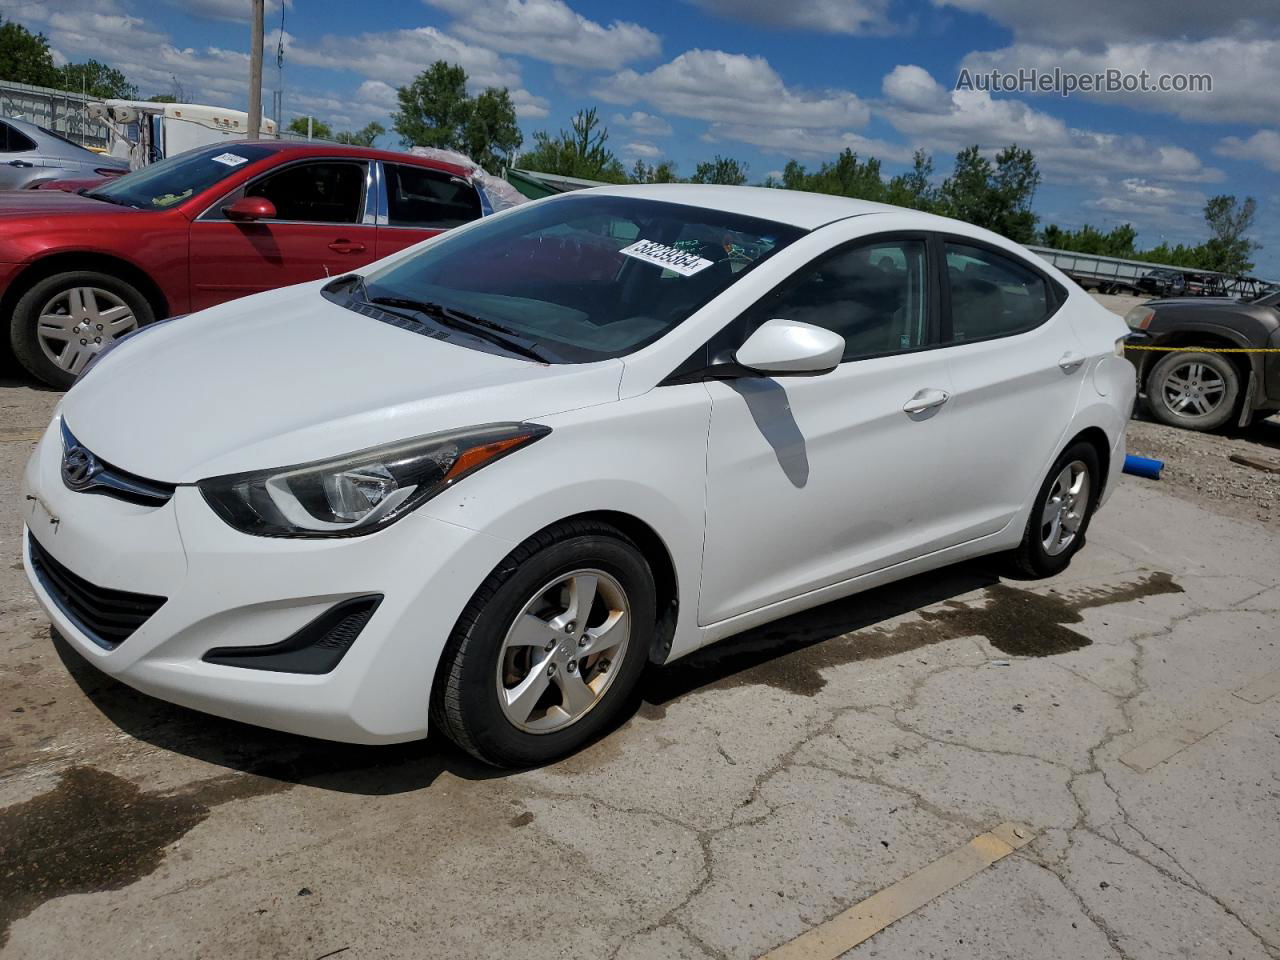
(63, 320)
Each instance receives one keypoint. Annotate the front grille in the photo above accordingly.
(84, 472)
(108, 617)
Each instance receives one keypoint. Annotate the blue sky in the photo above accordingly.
(764, 81)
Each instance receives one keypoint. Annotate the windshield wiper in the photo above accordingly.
(480, 327)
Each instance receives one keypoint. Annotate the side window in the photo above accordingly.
(992, 295)
(325, 192)
(872, 294)
(420, 197)
(14, 141)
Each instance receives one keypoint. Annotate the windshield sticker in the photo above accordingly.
(230, 159)
(659, 254)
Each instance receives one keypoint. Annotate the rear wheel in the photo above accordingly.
(550, 647)
(1060, 515)
(1198, 391)
(64, 320)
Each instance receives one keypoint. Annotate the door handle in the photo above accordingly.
(1070, 361)
(926, 400)
(346, 246)
(20, 163)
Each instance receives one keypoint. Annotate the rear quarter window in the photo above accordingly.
(421, 197)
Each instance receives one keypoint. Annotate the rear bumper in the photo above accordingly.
(222, 588)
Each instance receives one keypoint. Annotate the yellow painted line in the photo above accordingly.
(1132, 346)
(864, 920)
(1262, 689)
(8, 439)
(1153, 752)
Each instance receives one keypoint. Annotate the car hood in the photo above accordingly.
(1183, 303)
(287, 377)
(55, 203)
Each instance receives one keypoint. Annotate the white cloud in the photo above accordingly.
(1105, 21)
(529, 106)
(638, 148)
(549, 30)
(1065, 154)
(1245, 73)
(712, 85)
(1153, 206)
(827, 16)
(236, 11)
(397, 56)
(643, 124)
(914, 88)
(808, 144)
(1263, 147)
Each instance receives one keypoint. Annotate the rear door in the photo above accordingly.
(1017, 367)
(420, 203)
(324, 226)
(19, 158)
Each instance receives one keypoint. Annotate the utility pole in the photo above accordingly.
(255, 69)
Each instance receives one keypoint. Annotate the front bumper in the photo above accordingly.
(223, 588)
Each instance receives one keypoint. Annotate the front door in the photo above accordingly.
(319, 230)
(814, 480)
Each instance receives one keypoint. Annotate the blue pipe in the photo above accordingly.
(1142, 467)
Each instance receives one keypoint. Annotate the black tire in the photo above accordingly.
(1031, 558)
(464, 698)
(23, 334)
(1158, 385)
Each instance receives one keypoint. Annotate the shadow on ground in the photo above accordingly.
(789, 653)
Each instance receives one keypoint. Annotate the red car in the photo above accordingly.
(78, 270)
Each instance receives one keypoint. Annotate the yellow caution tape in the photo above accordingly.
(1131, 346)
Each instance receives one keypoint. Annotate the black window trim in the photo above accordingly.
(1055, 293)
(701, 365)
(213, 212)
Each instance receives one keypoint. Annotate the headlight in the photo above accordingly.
(1139, 318)
(366, 491)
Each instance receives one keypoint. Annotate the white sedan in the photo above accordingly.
(486, 481)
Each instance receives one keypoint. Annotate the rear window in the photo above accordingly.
(14, 141)
(419, 197)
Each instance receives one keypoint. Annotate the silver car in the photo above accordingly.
(31, 154)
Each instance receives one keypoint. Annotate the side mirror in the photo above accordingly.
(248, 209)
(782, 347)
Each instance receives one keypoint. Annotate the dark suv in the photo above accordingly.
(1201, 389)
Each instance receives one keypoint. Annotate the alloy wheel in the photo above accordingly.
(1193, 389)
(79, 322)
(1064, 510)
(561, 653)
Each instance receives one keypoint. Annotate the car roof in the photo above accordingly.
(321, 148)
(798, 208)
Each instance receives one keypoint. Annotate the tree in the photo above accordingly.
(96, 80)
(491, 135)
(25, 56)
(1227, 248)
(996, 197)
(434, 108)
(163, 98)
(721, 170)
(363, 137)
(436, 111)
(915, 188)
(319, 129)
(665, 172)
(577, 152)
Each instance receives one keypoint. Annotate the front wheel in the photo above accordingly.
(549, 649)
(1061, 513)
(65, 319)
(1198, 391)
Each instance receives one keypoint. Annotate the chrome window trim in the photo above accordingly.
(212, 213)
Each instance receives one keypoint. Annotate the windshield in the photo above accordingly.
(171, 181)
(585, 277)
